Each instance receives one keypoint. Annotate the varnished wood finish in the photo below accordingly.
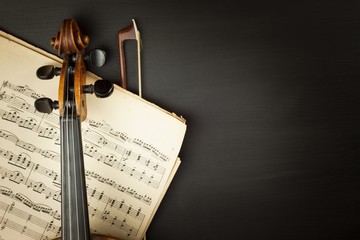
(70, 40)
(124, 34)
(270, 91)
(79, 81)
(72, 104)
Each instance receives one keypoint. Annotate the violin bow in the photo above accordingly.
(129, 33)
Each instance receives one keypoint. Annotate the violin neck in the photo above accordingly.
(74, 207)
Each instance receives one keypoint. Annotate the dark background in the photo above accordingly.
(270, 91)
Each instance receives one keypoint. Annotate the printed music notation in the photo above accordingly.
(91, 151)
(102, 144)
(28, 146)
(92, 137)
(23, 161)
(20, 104)
(130, 148)
(18, 112)
(108, 130)
(51, 227)
(18, 219)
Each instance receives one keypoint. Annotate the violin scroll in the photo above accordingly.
(69, 39)
(71, 43)
(72, 107)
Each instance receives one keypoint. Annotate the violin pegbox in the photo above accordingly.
(71, 43)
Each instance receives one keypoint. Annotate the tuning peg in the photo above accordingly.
(48, 72)
(101, 88)
(96, 57)
(46, 105)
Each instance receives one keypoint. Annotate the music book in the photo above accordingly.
(130, 145)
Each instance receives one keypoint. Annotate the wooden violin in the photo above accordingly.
(70, 43)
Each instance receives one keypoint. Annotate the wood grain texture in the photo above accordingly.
(270, 91)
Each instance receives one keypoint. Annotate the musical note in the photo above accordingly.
(3, 223)
(25, 90)
(127, 190)
(123, 167)
(107, 129)
(105, 215)
(57, 196)
(48, 132)
(28, 146)
(44, 132)
(11, 212)
(42, 208)
(98, 195)
(113, 221)
(16, 176)
(23, 230)
(24, 199)
(112, 161)
(20, 104)
(36, 169)
(115, 204)
(5, 191)
(23, 161)
(10, 116)
(39, 207)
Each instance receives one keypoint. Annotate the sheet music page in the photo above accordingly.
(130, 147)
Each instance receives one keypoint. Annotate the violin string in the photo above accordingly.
(71, 120)
(65, 133)
(72, 131)
(69, 130)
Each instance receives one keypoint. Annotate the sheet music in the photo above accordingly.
(130, 149)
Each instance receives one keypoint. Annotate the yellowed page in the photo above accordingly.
(130, 148)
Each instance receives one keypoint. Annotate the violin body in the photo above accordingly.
(72, 108)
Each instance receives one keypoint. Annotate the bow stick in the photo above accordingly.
(129, 33)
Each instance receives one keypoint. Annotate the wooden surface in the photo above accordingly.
(270, 91)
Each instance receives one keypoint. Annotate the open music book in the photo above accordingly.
(130, 147)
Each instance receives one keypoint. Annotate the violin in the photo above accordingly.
(71, 43)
